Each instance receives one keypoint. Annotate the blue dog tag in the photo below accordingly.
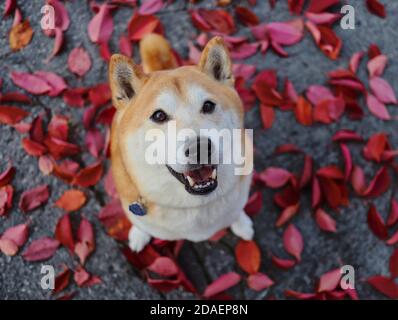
(137, 208)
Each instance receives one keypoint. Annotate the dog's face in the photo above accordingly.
(183, 112)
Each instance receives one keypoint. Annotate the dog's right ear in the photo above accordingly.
(125, 79)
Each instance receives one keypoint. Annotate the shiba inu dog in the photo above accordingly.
(188, 199)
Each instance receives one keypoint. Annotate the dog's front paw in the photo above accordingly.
(243, 227)
(138, 239)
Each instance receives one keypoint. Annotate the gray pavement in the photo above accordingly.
(353, 243)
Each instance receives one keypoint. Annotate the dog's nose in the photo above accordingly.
(199, 151)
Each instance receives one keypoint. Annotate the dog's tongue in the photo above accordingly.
(201, 175)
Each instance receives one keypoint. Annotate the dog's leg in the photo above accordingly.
(243, 227)
(138, 239)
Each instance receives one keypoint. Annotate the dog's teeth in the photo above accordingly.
(214, 174)
(190, 180)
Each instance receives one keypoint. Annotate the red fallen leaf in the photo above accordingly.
(31, 83)
(375, 147)
(329, 281)
(275, 177)
(164, 285)
(8, 247)
(323, 18)
(86, 240)
(300, 295)
(355, 61)
(60, 148)
(394, 264)
(295, 6)
(346, 136)
(6, 196)
(331, 172)
(88, 176)
(325, 221)
(331, 191)
(100, 94)
(379, 184)
(58, 42)
(248, 256)
(243, 51)
(106, 116)
(347, 161)
(287, 148)
(125, 46)
(247, 96)
(71, 200)
(142, 259)
(316, 192)
(246, 16)
(105, 52)
(33, 148)
(385, 285)
(358, 180)
(259, 281)
(46, 164)
(164, 266)
(382, 90)
(287, 214)
(293, 241)
(267, 116)
(151, 7)
(62, 20)
(316, 94)
(218, 235)
(213, 20)
(373, 51)
(58, 127)
(81, 276)
(63, 232)
(17, 234)
(307, 171)
(376, 7)
(285, 33)
(221, 284)
(393, 240)
(15, 97)
(100, 27)
(376, 223)
(12, 115)
(95, 141)
(56, 82)
(34, 198)
(377, 108)
(7, 175)
(254, 204)
(284, 264)
(326, 39)
(41, 249)
(9, 7)
(62, 280)
(79, 61)
(377, 65)
(303, 112)
(140, 25)
(115, 221)
(75, 97)
(287, 197)
(317, 6)
(393, 216)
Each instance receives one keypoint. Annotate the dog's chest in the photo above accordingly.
(195, 224)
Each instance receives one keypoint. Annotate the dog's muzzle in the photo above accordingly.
(200, 176)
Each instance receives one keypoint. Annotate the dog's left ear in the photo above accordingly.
(215, 61)
(125, 78)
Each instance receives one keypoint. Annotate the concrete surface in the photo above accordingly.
(353, 243)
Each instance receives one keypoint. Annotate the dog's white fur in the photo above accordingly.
(175, 213)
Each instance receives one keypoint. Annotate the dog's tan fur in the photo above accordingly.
(157, 59)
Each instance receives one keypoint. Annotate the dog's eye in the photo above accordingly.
(208, 106)
(159, 116)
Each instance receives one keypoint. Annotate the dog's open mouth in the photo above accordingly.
(200, 181)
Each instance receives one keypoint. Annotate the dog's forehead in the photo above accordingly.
(189, 94)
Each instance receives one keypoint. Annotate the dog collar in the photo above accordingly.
(137, 208)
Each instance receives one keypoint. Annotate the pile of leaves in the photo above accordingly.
(47, 138)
